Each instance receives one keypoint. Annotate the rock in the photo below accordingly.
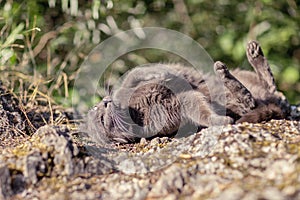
(143, 141)
(34, 166)
(18, 183)
(97, 167)
(5, 182)
(242, 161)
(233, 193)
(272, 193)
(171, 181)
(59, 146)
(48, 152)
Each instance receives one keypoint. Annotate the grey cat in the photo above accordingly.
(158, 99)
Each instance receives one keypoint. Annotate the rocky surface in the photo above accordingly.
(243, 161)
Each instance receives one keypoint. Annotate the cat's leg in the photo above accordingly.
(260, 64)
(242, 98)
(194, 107)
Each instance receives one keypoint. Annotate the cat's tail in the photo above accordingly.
(263, 113)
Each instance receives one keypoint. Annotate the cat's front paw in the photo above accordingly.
(220, 69)
(220, 120)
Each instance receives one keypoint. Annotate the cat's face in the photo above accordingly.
(100, 118)
(105, 120)
(105, 110)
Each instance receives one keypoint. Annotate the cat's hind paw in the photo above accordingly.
(254, 50)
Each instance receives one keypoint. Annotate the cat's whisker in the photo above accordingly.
(120, 125)
(124, 121)
(120, 119)
(117, 112)
(116, 119)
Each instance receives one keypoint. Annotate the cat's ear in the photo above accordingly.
(260, 64)
(241, 95)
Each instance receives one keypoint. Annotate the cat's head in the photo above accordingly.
(105, 124)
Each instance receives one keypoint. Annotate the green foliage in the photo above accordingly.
(49, 39)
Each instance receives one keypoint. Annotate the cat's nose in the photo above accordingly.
(106, 101)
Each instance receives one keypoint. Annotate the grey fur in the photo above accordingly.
(157, 99)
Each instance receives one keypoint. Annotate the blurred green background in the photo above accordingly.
(43, 43)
